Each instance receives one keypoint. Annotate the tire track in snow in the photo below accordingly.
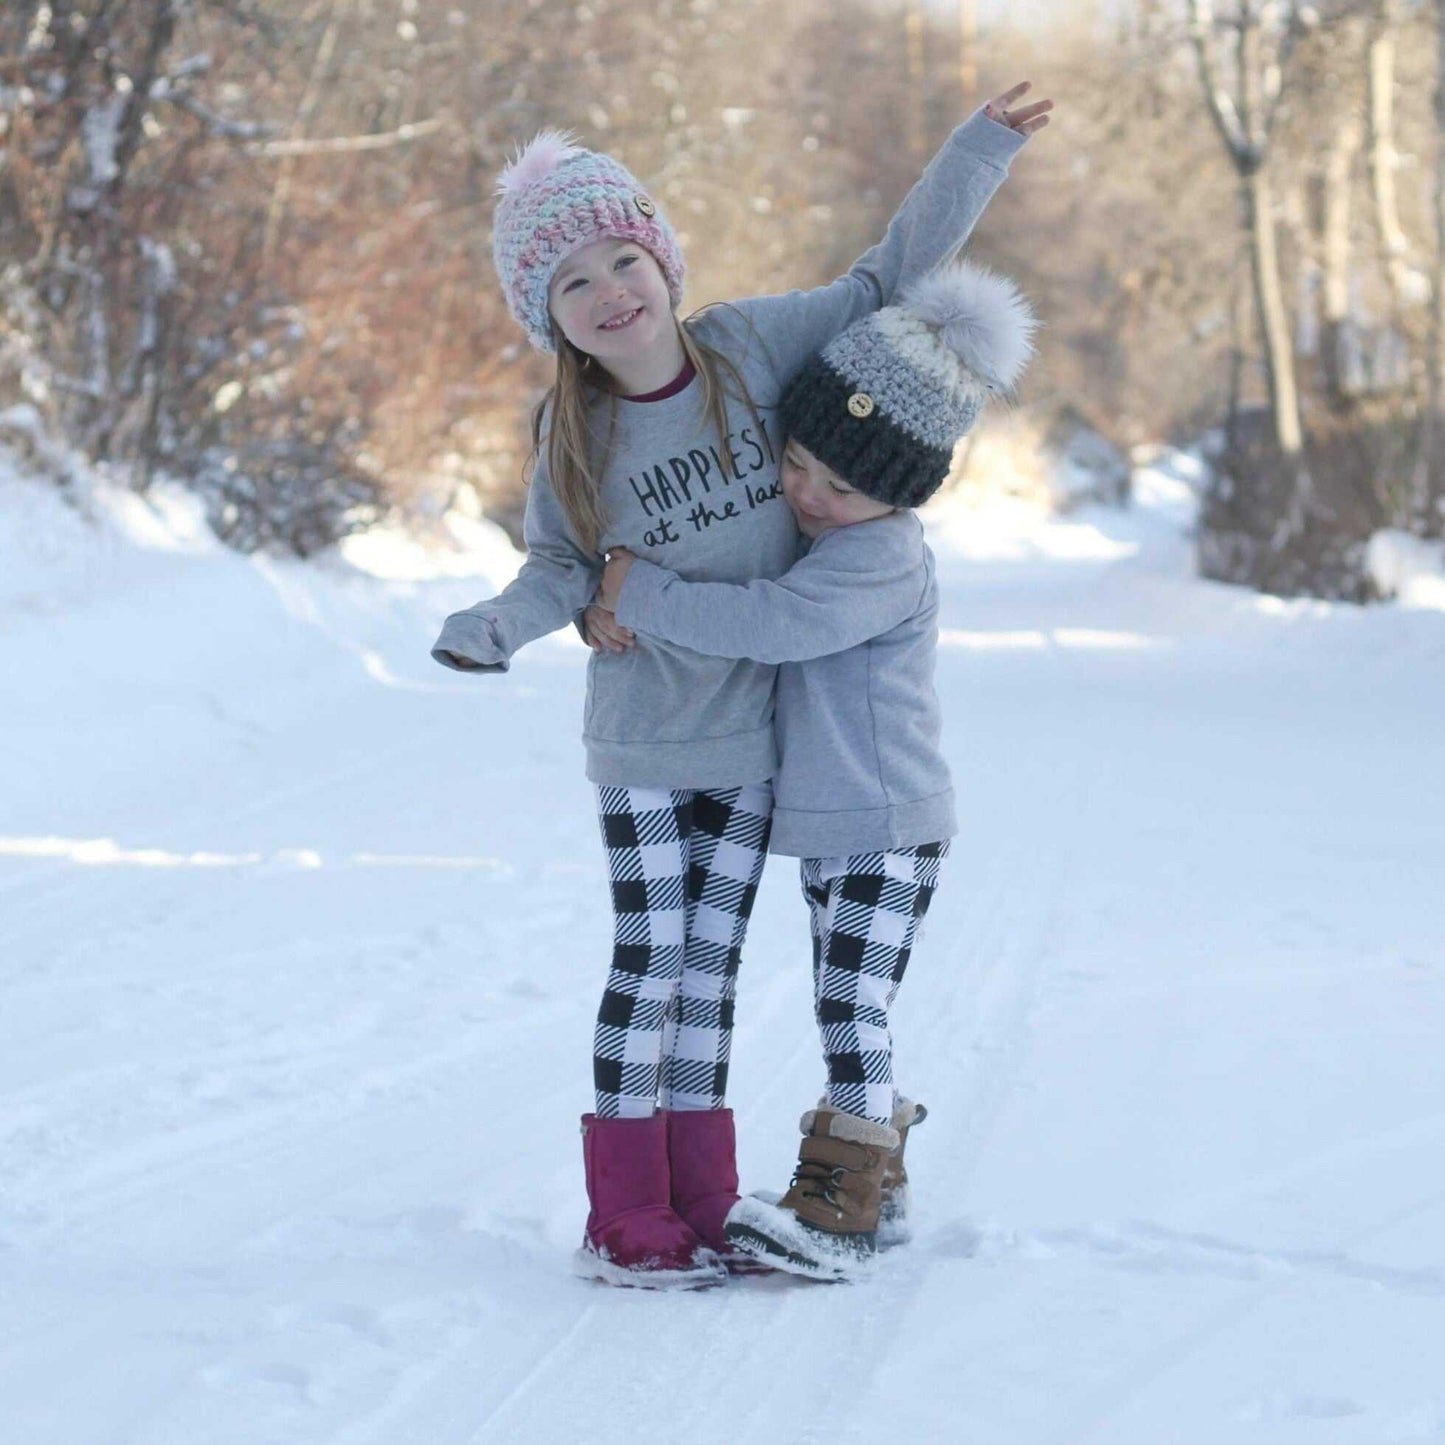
(1279, 1275)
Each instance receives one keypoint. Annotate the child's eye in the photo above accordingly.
(574, 283)
(623, 261)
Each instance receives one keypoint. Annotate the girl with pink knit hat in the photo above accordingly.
(661, 435)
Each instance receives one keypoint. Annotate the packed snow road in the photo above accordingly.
(302, 936)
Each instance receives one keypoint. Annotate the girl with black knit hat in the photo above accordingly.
(862, 794)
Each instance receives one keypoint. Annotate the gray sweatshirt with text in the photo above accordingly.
(664, 714)
(854, 624)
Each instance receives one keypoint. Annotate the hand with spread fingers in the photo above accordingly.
(1025, 119)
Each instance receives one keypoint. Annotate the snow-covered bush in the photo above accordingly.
(284, 496)
(1406, 568)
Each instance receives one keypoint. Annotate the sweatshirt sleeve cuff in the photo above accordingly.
(468, 643)
(640, 592)
(990, 140)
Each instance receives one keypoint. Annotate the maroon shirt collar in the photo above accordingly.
(677, 384)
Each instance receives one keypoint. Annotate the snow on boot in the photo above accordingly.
(702, 1155)
(893, 1225)
(633, 1236)
(826, 1225)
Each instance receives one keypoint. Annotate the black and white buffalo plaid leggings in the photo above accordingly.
(684, 866)
(865, 910)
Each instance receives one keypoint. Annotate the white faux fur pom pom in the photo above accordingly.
(538, 158)
(981, 317)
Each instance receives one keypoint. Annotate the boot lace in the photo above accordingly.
(814, 1180)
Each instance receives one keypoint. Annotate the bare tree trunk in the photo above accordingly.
(1259, 219)
(1239, 319)
(99, 231)
(1429, 479)
(1394, 248)
(1335, 226)
(1245, 117)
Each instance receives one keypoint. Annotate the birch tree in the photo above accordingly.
(1384, 158)
(1429, 480)
(1243, 60)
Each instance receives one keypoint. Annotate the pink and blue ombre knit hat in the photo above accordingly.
(554, 198)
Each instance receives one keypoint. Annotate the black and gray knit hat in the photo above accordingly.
(886, 401)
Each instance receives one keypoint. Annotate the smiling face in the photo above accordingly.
(609, 299)
(819, 497)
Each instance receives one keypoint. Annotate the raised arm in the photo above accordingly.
(933, 222)
(846, 590)
(557, 581)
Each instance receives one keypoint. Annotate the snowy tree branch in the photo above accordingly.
(218, 125)
(341, 144)
(1222, 110)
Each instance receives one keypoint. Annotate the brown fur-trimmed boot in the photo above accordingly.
(826, 1225)
(893, 1225)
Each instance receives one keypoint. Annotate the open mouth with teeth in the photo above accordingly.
(617, 323)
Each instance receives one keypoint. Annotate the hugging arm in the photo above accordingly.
(834, 598)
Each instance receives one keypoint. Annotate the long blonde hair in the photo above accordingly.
(575, 473)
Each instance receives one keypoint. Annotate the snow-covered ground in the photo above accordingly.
(301, 938)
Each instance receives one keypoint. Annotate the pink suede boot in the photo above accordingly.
(702, 1152)
(633, 1236)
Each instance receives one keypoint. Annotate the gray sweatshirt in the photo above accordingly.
(855, 626)
(662, 714)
